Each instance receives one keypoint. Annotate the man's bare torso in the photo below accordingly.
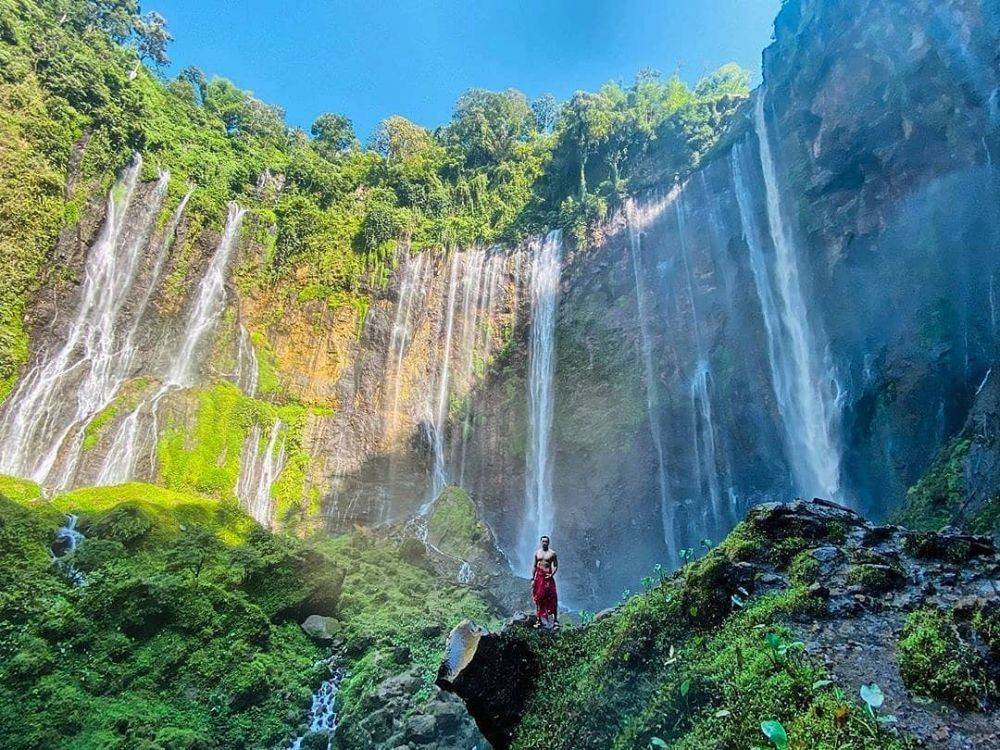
(545, 559)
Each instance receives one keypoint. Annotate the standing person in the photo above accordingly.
(543, 585)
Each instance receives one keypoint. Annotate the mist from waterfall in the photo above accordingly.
(539, 513)
(667, 513)
(803, 383)
(259, 470)
(44, 418)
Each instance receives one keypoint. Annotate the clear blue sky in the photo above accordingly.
(373, 59)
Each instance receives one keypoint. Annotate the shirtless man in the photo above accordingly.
(543, 585)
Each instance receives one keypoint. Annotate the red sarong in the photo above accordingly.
(543, 591)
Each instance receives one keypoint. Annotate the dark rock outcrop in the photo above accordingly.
(493, 673)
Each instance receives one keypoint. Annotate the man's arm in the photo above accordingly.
(555, 565)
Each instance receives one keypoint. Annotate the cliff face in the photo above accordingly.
(810, 313)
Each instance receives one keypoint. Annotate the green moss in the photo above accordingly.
(454, 526)
(935, 500)
(804, 569)
(206, 459)
(19, 490)
(875, 578)
(987, 625)
(92, 432)
(934, 660)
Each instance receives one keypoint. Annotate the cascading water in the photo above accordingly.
(258, 472)
(412, 288)
(439, 476)
(66, 541)
(323, 712)
(803, 386)
(140, 427)
(42, 423)
(247, 373)
(705, 452)
(704, 448)
(210, 302)
(545, 272)
(667, 515)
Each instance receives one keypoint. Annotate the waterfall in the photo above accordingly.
(412, 288)
(209, 304)
(803, 386)
(119, 464)
(140, 426)
(66, 541)
(44, 417)
(439, 476)
(667, 511)
(247, 373)
(704, 445)
(705, 451)
(545, 270)
(258, 472)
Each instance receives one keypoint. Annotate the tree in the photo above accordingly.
(398, 139)
(730, 80)
(486, 125)
(545, 108)
(152, 38)
(196, 77)
(114, 17)
(196, 547)
(333, 135)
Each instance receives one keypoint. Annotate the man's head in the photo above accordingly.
(545, 542)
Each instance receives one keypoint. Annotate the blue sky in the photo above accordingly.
(373, 59)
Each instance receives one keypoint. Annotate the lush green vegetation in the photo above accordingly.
(691, 664)
(75, 104)
(934, 660)
(186, 633)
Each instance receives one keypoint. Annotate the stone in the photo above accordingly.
(421, 728)
(322, 628)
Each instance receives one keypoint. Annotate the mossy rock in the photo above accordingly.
(936, 661)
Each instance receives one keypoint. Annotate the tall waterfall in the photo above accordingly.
(140, 427)
(259, 470)
(667, 511)
(803, 383)
(411, 292)
(545, 271)
(44, 418)
(210, 303)
(705, 445)
(473, 282)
